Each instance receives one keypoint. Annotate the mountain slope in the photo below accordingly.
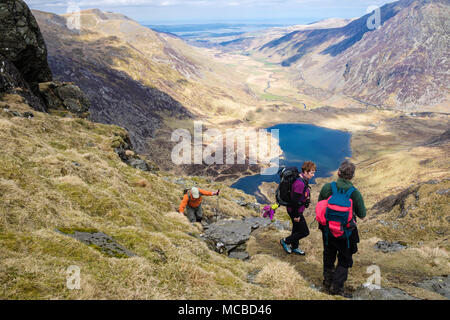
(298, 43)
(402, 64)
(63, 174)
(116, 97)
(155, 59)
(150, 83)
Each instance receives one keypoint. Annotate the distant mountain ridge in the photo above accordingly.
(255, 39)
(147, 82)
(304, 41)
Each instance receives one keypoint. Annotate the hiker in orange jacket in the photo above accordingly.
(192, 201)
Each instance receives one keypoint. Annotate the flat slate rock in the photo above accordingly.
(231, 234)
(386, 246)
(281, 225)
(102, 241)
(381, 294)
(234, 232)
(242, 255)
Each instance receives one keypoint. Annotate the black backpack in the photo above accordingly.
(288, 176)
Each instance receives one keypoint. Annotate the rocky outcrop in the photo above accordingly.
(388, 203)
(439, 140)
(12, 81)
(440, 285)
(22, 42)
(399, 199)
(23, 53)
(65, 96)
(123, 147)
(24, 69)
(386, 246)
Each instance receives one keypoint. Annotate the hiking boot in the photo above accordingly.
(326, 286)
(327, 279)
(298, 251)
(285, 246)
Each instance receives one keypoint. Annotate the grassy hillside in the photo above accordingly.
(62, 173)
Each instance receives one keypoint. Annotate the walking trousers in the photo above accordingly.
(338, 248)
(299, 231)
(194, 214)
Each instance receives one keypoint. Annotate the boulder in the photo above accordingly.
(440, 285)
(231, 236)
(229, 232)
(65, 96)
(386, 246)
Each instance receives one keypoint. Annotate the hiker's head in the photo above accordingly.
(195, 193)
(309, 169)
(346, 170)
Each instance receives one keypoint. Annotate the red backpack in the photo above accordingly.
(336, 214)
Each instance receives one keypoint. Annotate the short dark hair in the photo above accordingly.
(346, 170)
(308, 166)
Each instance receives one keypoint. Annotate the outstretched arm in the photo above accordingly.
(208, 193)
(183, 203)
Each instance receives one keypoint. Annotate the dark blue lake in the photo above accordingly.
(327, 148)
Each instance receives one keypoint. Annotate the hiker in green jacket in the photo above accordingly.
(334, 278)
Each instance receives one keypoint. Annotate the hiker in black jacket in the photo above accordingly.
(334, 278)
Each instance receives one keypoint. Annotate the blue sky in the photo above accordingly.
(207, 11)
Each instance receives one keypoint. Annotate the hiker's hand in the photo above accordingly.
(297, 219)
(215, 193)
